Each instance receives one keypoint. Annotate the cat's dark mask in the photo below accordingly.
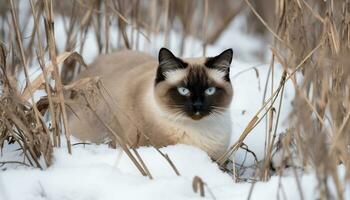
(196, 87)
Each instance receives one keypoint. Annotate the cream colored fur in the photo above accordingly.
(129, 77)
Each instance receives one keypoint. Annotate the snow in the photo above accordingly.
(98, 172)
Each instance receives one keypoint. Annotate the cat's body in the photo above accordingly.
(130, 78)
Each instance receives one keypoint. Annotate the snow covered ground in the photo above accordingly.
(100, 173)
(96, 172)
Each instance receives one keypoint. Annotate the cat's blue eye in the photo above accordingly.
(210, 91)
(183, 91)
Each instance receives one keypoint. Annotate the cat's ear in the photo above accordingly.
(167, 62)
(220, 62)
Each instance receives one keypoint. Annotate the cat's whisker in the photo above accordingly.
(212, 116)
(219, 108)
(175, 107)
(178, 115)
(218, 112)
(215, 116)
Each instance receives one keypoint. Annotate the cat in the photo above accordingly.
(161, 102)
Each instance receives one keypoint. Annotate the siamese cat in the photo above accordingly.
(161, 102)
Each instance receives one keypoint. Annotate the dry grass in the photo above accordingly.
(321, 105)
(311, 40)
(312, 44)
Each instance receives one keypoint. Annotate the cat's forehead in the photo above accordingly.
(192, 74)
(195, 61)
(200, 74)
(195, 73)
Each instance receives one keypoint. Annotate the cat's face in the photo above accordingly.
(193, 88)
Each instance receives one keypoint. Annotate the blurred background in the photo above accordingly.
(138, 24)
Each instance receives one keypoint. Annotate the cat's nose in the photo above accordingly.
(198, 105)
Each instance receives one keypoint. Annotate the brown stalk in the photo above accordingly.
(205, 24)
(166, 23)
(46, 81)
(271, 144)
(21, 127)
(198, 185)
(142, 163)
(56, 75)
(13, 162)
(264, 23)
(122, 26)
(23, 57)
(314, 13)
(107, 22)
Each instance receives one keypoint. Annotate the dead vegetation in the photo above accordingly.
(312, 45)
(311, 40)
